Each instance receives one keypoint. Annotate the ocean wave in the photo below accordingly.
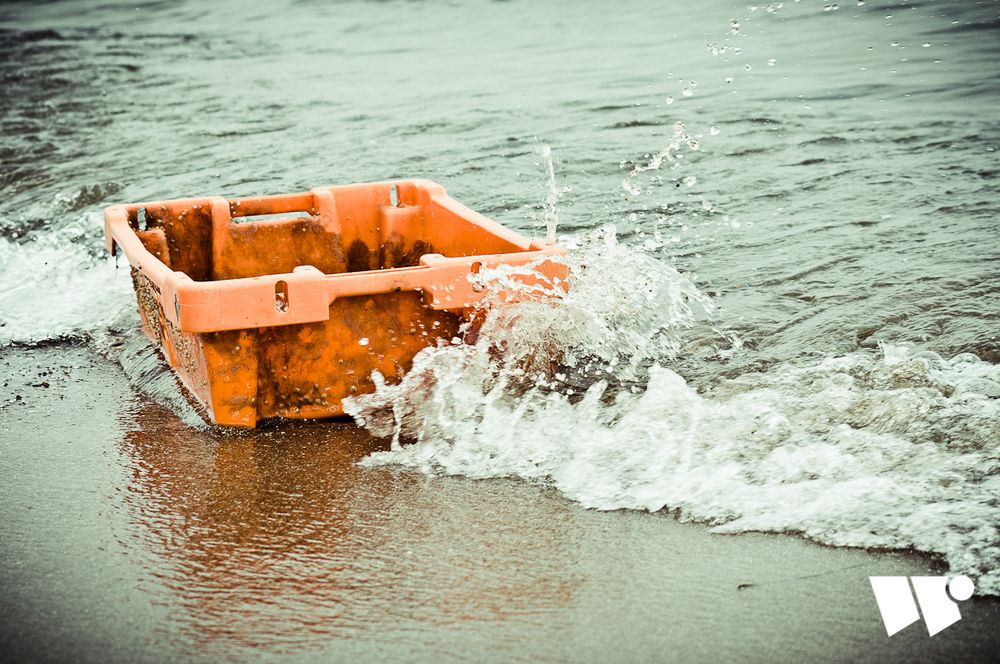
(56, 287)
(890, 448)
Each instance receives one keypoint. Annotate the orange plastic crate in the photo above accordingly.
(285, 317)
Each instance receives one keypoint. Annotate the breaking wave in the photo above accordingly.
(894, 448)
(60, 284)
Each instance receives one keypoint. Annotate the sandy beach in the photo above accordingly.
(128, 536)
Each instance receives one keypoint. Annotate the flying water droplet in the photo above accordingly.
(669, 100)
(631, 187)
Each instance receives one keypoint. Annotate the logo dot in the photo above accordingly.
(961, 588)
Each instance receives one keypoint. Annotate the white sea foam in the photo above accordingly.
(58, 285)
(897, 448)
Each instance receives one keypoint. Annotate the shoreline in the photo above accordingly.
(129, 536)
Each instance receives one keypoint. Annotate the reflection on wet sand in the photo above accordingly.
(277, 539)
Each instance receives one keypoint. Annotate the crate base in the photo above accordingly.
(298, 371)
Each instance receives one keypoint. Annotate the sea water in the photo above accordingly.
(783, 299)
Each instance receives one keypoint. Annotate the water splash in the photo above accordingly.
(642, 177)
(896, 449)
(61, 285)
(605, 329)
(552, 195)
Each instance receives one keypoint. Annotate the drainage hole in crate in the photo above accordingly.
(477, 284)
(281, 297)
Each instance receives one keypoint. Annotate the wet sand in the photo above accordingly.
(129, 536)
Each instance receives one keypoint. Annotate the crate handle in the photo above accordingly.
(317, 202)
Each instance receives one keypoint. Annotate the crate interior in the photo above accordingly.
(367, 227)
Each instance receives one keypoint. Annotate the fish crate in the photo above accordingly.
(282, 306)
